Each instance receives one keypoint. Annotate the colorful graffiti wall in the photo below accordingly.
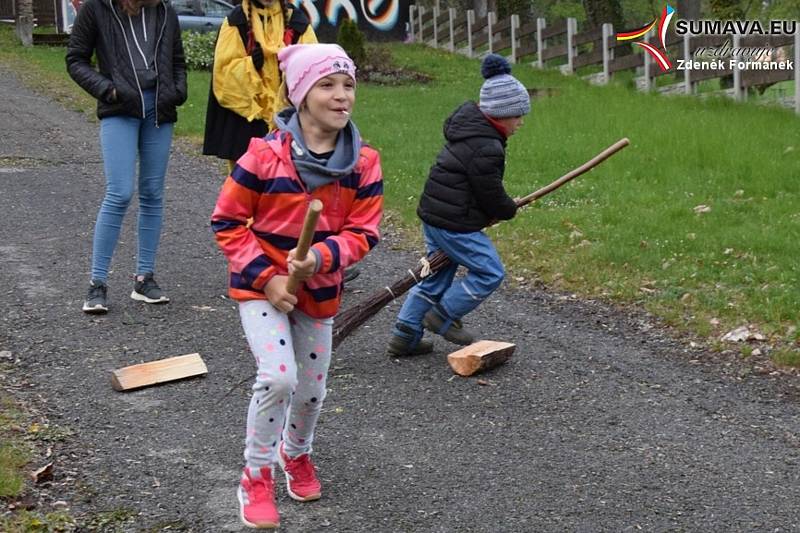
(378, 19)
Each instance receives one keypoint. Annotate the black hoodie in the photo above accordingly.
(99, 28)
(464, 190)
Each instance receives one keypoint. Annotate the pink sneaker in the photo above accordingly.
(257, 506)
(301, 476)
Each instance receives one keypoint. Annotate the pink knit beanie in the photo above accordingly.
(303, 65)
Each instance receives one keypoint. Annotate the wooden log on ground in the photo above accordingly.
(161, 371)
(480, 356)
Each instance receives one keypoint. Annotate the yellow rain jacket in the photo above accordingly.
(238, 86)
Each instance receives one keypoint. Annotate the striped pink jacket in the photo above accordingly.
(264, 186)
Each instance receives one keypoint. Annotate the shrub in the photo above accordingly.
(199, 49)
(352, 40)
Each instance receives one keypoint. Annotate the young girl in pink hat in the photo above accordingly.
(315, 153)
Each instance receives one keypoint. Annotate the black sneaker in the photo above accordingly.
(147, 290)
(96, 302)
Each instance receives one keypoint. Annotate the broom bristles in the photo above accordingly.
(350, 319)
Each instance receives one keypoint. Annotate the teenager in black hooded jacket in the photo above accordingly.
(139, 81)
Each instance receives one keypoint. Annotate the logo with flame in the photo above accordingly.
(659, 56)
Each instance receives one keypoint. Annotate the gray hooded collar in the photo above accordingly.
(314, 172)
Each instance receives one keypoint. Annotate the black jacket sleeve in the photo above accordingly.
(485, 175)
(178, 60)
(81, 46)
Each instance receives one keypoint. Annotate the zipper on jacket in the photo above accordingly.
(155, 59)
(130, 56)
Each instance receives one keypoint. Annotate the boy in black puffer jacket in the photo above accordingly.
(464, 193)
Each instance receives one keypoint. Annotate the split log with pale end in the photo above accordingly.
(480, 356)
(155, 372)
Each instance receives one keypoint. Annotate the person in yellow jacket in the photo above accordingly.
(245, 83)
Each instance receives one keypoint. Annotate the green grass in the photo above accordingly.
(14, 453)
(16, 449)
(28, 522)
(625, 232)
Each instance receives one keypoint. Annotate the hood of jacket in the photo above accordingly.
(314, 172)
(114, 6)
(469, 121)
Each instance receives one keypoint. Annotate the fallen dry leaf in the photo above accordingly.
(43, 474)
(742, 334)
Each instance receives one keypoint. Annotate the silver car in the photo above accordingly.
(201, 15)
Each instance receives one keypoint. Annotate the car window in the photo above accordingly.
(211, 8)
(183, 7)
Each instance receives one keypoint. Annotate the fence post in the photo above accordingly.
(411, 10)
(490, 20)
(572, 29)
(452, 13)
(687, 73)
(421, 11)
(540, 43)
(608, 31)
(796, 74)
(514, 30)
(648, 63)
(737, 74)
(470, 23)
(436, 26)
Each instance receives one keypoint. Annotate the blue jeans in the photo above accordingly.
(123, 140)
(453, 300)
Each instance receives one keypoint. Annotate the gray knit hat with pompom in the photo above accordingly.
(502, 95)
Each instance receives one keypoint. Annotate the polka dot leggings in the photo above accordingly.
(292, 354)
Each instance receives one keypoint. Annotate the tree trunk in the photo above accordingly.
(599, 12)
(688, 9)
(726, 9)
(481, 7)
(24, 22)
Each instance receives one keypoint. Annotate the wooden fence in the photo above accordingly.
(7, 9)
(45, 12)
(596, 49)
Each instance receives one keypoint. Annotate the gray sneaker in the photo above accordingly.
(456, 333)
(147, 290)
(96, 302)
(400, 345)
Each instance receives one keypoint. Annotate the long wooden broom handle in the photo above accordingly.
(593, 162)
(304, 243)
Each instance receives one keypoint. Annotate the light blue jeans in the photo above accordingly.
(123, 140)
(453, 299)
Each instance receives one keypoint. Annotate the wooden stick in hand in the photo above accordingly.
(569, 176)
(304, 243)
